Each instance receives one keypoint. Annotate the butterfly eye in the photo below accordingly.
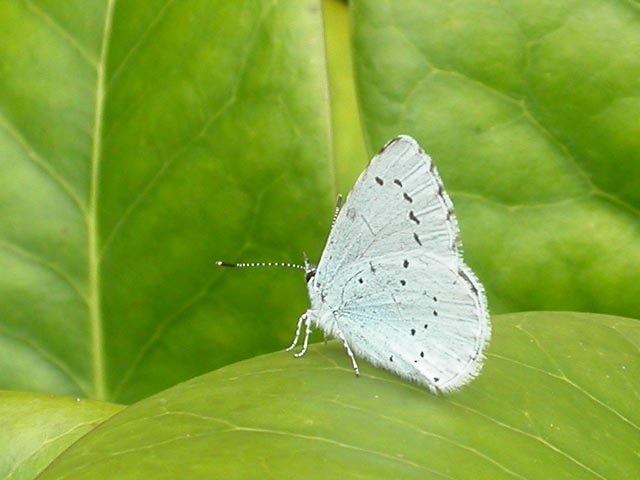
(310, 274)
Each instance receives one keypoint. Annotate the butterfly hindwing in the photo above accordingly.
(431, 332)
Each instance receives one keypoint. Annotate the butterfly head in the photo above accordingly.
(309, 269)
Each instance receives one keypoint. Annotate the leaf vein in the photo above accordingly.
(139, 42)
(39, 260)
(61, 31)
(46, 356)
(42, 164)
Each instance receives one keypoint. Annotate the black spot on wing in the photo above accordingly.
(407, 198)
(417, 239)
(413, 218)
(380, 181)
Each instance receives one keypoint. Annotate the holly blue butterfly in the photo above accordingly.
(391, 283)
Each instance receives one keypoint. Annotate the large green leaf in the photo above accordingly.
(531, 111)
(139, 143)
(37, 428)
(557, 399)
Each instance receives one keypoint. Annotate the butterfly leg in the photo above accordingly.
(301, 320)
(307, 333)
(349, 352)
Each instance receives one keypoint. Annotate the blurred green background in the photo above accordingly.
(142, 141)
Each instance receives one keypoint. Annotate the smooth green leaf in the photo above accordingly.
(37, 428)
(557, 399)
(530, 110)
(139, 143)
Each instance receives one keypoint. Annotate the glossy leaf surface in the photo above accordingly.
(37, 428)
(557, 399)
(530, 110)
(139, 143)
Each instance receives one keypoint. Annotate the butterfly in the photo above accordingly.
(391, 283)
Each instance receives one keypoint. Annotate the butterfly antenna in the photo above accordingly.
(260, 264)
(337, 210)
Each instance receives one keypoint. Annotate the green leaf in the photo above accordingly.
(557, 399)
(139, 143)
(530, 110)
(37, 428)
(142, 141)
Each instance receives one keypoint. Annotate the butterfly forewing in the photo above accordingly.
(397, 204)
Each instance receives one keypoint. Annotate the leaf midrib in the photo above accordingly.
(95, 312)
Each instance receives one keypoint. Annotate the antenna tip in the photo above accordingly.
(224, 264)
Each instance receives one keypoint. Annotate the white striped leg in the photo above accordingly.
(305, 344)
(349, 352)
(302, 319)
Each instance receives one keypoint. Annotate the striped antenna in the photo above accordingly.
(337, 210)
(260, 264)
